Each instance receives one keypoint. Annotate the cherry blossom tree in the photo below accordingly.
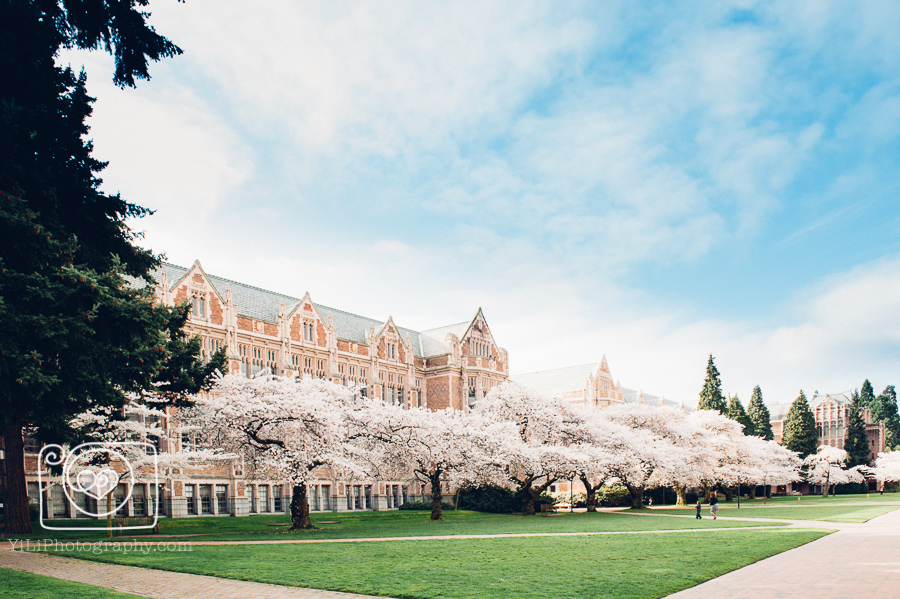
(430, 446)
(284, 428)
(826, 468)
(539, 447)
(887, 466)
(647, 452)
(143, 422)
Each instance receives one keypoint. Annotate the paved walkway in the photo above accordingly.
(860, 560)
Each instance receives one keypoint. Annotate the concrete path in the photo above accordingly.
(860, 560)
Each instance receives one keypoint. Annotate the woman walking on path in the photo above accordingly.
(713, 504)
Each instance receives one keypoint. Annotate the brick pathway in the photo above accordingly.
(858, 561)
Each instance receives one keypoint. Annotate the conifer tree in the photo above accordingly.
(800, 428)
(737, 413)
(867, 395)
(887, 413)
(857, 443)
(711, 395)
(759, 414)
(75, 331)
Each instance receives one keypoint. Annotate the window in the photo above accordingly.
(59, 502)
(325, 491)
(276, 498)
(222, 498)
(191, 501)
(205, 499)
(138, 501)
(263, 498)
(198, 306)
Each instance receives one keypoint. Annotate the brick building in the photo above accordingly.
(450, 366)
(831, 412)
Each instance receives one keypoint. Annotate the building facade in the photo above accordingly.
(451, 366)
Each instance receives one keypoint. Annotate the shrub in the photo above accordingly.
(491, 498)
(34, 511)
(423, 505)
(613, 496)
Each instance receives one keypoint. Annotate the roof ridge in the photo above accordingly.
(350, 313)
(555, 369)
(455, 324)
(238, 283)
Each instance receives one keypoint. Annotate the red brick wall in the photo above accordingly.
(297, 328)
(270, 329)
(437, 392)
(216, 313)
(362, 350)
(244, 324)
(381, 350)
(321, 339)
(343, 345)
(181, 295)
(401, 352)
(307, 307)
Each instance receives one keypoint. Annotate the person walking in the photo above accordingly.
(713, 504)
(699, 517)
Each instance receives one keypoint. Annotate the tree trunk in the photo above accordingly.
(300, 509)
(729, 495)
(437, 510)
(18, 520)
(637, 497)
(590, 494)
(681, 493)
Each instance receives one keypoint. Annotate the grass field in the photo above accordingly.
(841, 508)
(402, 524)
(826, 513)
(22, 585)
(640, 566)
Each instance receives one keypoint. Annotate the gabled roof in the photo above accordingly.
(262, 304)
(843, 398)
(432, 340)
(570, 378)
(631, 396)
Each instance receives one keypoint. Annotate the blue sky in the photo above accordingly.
(648, 181)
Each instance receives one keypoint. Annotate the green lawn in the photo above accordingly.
(403, 524)
(621, 566)
(23, 585)
(818, 509)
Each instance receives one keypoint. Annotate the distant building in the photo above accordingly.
(587, 386)
(831, 412)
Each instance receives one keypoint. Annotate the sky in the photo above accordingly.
(653, 182)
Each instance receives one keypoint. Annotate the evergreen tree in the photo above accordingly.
(886, 412)
(857, 443)
(800, 428)
(867, 395)
(759, 414)
(737, 413)
(75, 331)
(711, 395)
